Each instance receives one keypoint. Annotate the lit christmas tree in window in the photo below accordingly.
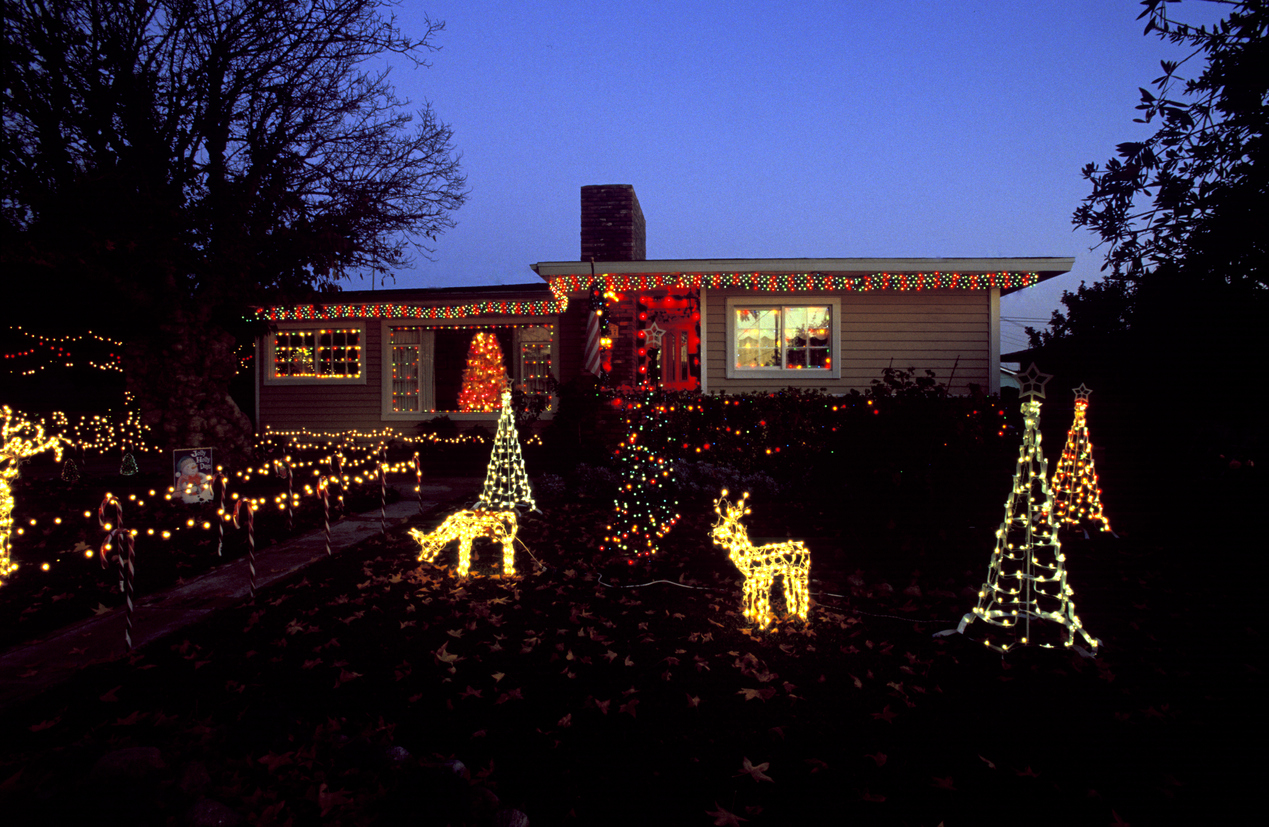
(1076, 495)
(506, 483)
(1026, 580)
(484, 375)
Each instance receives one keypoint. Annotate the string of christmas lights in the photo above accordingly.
(440, 313)
(20, 439)
(644, 510)
(56, 351)
(561, 286)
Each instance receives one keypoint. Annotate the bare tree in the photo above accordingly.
(167, 162)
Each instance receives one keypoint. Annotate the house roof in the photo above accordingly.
(1024, 271)
(427, 303)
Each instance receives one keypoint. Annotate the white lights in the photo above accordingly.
(761, 565)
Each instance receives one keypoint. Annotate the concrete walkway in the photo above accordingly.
(28, 669)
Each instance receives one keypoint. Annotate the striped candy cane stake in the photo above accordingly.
(284, 470)
(336, 472)
(110, 502)
(251, 539)
(418, 479)
(383, 490)
(323, 485)
(127, 572)
(223, 482)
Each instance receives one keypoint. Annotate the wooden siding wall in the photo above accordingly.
(926, 330)
(330, 408)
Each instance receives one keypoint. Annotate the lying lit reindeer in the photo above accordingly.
(761, 565)
(466, 526)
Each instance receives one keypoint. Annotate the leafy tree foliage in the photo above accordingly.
(1180, 213)
(1201, 169)
(167, 162)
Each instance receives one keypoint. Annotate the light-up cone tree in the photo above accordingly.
(506, 483)
(1077, 497)
(483, 376)
(1026, 580)
(645, 509)
(19, 440)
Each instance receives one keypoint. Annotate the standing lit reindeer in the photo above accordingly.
(466, 526)
(761, 565)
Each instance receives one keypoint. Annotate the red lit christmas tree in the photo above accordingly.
(484, 375)
(1076, 495)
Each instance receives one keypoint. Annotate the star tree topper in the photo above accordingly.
(1082, 392)
(1033, 382)
(654, 334)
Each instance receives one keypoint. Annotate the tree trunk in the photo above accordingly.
(178, 379)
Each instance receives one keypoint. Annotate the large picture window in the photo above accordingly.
(775, 337)
(315, 355)
(427, 365)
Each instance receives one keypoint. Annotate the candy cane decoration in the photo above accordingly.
(127, 570)
(223, 481)
(323, 484)
(383, 489)
(283, 467)
(251, 539)
(418, 478)
(337, 473)
(110, 501)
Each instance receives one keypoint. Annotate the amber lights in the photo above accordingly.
(1077, 497)
(20, 439)
(465, 527)
(761, 565)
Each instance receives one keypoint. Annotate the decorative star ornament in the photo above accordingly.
(654, 333)
(1082, 392)
(1033, 382)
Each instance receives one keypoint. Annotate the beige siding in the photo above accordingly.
(927, 330)
(329, 408)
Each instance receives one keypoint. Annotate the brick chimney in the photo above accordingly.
(612, 224)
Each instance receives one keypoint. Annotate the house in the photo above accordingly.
(394, 358)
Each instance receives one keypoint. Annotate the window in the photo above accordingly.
(535, 362)
(314, 355)
(425, 365)
(773, 338)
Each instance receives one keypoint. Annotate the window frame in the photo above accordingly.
(387, 414)
(783, 302)
(270, 353)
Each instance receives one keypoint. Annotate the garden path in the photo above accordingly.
(32, 667)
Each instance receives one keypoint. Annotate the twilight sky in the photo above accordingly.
(841, 128)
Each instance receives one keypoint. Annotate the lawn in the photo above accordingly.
(374, 689)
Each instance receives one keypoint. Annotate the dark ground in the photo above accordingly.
(346, 695)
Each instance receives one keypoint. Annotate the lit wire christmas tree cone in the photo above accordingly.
(506, 482)
(1026, 580)
(1077, 496)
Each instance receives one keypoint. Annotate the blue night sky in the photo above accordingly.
(792, 129)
